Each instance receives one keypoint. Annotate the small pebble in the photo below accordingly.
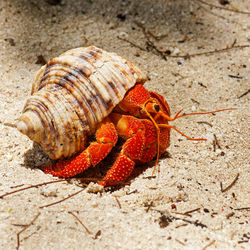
(175, 52)
(94, 188)
(123, 34)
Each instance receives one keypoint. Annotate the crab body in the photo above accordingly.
(139, 133)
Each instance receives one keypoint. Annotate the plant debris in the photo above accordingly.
(56, 202)
(230, 186)
(87, 230)
(118, 202)
(151, 47)
(237, 77)
(193, 210)
(180, 242)
(222, 8)
(208, 245)
(32, 186)
(25, 227)
(165, 220)
(98, 233)
(216, 143)
(242, 208)
(230, 215)
(245, 93)
(204, 122)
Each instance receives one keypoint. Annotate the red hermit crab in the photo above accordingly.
(89, 91)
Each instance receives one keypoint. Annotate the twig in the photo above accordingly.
(181, 225)
(209, 124)
(28, 236)
(242, 241)
(133, 44)
(246, 235)
(149, 33)
(118, 202)
(132, 192)
(140, 25)
(245, 93)
(168, 219)
(180, 242)
(165, 55)
(234, 42)
(208, 245)
(17, 186)
(202, 85)
(98, 233)
(214, 145)
(150, 46)
(149, 206)
(150, 177)
(18, 234)
(32, 186)
(237, 77)
(54, 203)
(210, 52)
(193, 210)
(230, 215)
(189, 215)
(87, 230)
(157, 38)
(223, 190)
(19, 225)
(216, 141)
(196, 223)
(242, 208)
(207, 10)
(193, 100)
(223, 8)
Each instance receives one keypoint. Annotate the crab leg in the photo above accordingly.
(133, 131)
(106, 138)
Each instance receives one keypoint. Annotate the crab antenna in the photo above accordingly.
(177, 116)
(158, 136)
(173, 127)
(200, 113)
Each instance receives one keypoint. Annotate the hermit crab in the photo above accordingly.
(88, 91)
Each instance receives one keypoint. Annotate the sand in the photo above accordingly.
(200, 196)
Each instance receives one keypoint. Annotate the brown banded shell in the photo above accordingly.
(71, 94)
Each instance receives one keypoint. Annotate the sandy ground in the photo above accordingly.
(188, 204)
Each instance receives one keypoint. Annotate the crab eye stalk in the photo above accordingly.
(151, 107)
(157, 107)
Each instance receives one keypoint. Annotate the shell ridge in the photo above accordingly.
(90, 118)
(63, 78)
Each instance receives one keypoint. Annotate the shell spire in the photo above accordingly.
(71, 94)
(30, 124)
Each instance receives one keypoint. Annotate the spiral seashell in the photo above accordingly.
(71, 94)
